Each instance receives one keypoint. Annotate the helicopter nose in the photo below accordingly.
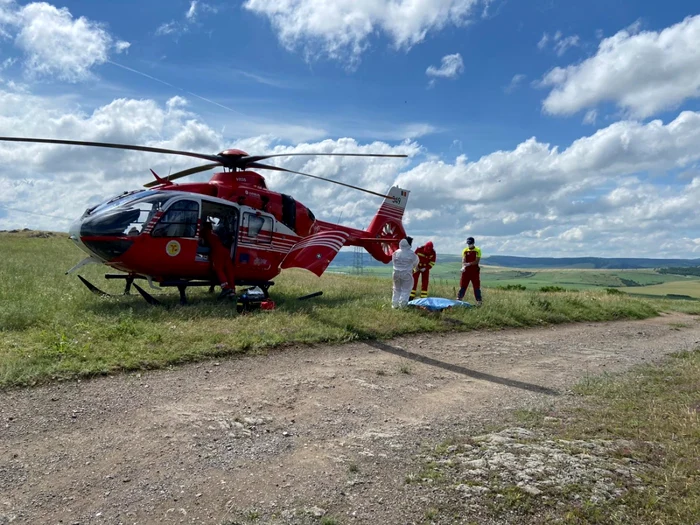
(74, 231)
(74, 235)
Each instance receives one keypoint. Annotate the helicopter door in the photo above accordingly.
(224, 220)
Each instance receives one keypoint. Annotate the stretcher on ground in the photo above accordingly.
(437, 304)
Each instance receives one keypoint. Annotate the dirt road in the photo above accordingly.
(294, 435)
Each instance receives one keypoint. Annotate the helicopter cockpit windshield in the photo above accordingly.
(127, 215)
(120, 199)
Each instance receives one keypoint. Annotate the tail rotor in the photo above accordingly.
(389, 231)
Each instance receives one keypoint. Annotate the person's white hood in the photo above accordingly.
(404, 258)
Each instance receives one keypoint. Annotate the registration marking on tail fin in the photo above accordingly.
(394, 205)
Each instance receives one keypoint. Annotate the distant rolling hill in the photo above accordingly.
(346, 258)
(615, 263)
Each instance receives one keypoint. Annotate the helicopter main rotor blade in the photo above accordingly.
(224, 159)
(233, 159)
(183, 173)
(275, 168)
(256, 158)
(215, 158)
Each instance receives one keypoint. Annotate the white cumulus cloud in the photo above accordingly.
(57, 44)
(121, 46)
(54, 43)
(451, 66)
(643, 73)
(536, 193)
(341, 29)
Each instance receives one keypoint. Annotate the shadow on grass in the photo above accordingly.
(206, 304)
(460, 369)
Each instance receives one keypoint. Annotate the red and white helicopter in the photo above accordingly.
(154, 233)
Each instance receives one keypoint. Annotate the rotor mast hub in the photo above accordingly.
(233, 159)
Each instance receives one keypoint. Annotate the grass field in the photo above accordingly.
(53, 328)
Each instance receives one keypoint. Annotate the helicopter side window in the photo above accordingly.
(259, 227)
(180, 220)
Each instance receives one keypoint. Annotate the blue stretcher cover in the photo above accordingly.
(436, 304)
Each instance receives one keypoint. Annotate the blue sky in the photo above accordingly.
(540, 127)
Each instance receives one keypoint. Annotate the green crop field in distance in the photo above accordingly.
(690, 288)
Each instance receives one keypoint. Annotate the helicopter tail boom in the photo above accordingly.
(381, 238)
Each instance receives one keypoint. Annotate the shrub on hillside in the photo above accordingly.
(613, 291)
(552, 289)
(519, 287)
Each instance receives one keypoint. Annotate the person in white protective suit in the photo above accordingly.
(404, 260)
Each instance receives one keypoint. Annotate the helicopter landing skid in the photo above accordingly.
(181, 285)
(94, 289)
(149, 298)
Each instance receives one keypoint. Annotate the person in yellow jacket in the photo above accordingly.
(471, 256)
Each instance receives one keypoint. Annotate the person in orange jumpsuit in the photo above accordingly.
(221, 261)
(426, 260)
(471, 256)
